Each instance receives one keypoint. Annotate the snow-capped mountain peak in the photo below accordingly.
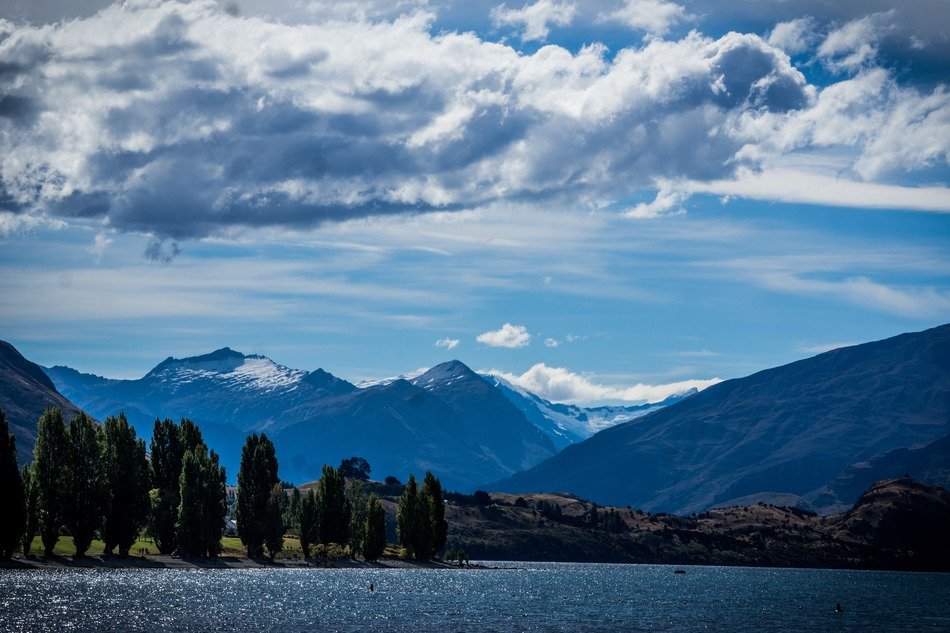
(231, 369)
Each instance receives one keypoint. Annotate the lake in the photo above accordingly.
(523, 596)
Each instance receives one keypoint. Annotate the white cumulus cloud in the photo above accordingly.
(551, 342)
(447, 343)
(534, 19)
(856, 43)
(666, 202)
(655, 17)
(794, 36)
(559, 384)
(508, 335)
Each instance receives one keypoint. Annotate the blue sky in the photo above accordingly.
(646, 193)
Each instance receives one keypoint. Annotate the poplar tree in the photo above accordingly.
(432, 488)
(292, 511)
(421, 518)
(215, 501)
(31, 519)
(374, 543)
(407, 517)
(127, 485)
(85, 481)
(49, 476)
(334, 509)
(256, 479)
(12, 498)
(203, 504)
(274, 521)
(190, 512)
(307, 528)
(356, 499)
(167, 451)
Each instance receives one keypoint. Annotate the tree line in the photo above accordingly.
(337, 511)
(87, 479)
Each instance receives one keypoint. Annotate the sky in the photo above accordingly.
(606, 201)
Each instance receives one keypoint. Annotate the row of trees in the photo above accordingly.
(333, 512)
(94, 480)
(84, 477)
(91, 480)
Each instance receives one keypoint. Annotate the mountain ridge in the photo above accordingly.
(788, 430)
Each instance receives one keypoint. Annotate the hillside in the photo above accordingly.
(25, 392)
(820, 429)
(897, 524)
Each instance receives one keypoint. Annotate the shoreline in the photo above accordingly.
(222, 562)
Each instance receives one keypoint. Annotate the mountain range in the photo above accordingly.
(469, 428)
(813, 434)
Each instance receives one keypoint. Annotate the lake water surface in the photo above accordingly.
(527, 596)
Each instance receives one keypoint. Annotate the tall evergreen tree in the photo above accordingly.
(334, 509)
(407, 517)
(127, 485)
(12, 498)
(356, 498)
(85, 481)
(203, 504)
(307, 528)
(256, 479)
(49, 476)
(190, 435)
(167, 451)
(215, 501)
(292, 513)
(32, 521)
(274, 521)
(374, 543)
(432, 488)
(422, 538)
(191, 511)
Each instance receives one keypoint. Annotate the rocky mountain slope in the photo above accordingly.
(818, 430)
(25, 392)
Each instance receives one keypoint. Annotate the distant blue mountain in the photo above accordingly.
(819, 430)
(465, 427)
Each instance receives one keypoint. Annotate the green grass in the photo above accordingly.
(230, 546)
(65, 547)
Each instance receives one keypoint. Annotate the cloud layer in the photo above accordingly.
(559, 384)
(144, 116)
(147, 118)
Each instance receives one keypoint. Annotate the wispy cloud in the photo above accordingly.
(918, 303)
(812, 188)
(508, 335)
(447, 343)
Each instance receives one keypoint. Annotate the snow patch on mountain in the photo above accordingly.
(379, 382)
(234, 372)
